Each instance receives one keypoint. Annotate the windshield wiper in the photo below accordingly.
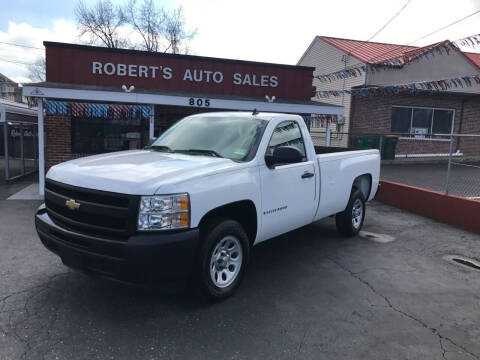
(160, 148)
(201, 151)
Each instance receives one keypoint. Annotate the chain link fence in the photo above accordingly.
(440, 162)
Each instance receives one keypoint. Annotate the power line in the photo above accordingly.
(15, 62)
(381, 29)
(425, 36)
(376, 33)
(389, 21)
(20, 45)
(447, 26)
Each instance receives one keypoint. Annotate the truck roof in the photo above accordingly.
(248, 114)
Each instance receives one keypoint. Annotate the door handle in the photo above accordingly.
(307, 175)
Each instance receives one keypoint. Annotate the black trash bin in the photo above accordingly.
(370, 142)
(389, 147)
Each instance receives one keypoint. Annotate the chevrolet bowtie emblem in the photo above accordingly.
(72, 204)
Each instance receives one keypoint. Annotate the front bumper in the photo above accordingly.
(141, 258)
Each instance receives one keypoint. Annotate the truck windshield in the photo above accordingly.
(233, 138)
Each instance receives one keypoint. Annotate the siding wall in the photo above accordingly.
(436, 67)
(327, 59)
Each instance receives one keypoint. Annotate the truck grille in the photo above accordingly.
(103, 213)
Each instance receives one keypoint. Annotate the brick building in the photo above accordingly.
(10, 90)
(413, 116)
(99, 100)
(384, 114)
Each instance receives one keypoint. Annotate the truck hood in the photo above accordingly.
(137, 172)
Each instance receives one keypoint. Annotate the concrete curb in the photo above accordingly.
(451, 209)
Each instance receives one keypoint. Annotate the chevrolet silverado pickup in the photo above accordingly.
(194, 203)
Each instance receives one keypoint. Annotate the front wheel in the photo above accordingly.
(350, 221)
(223, 258)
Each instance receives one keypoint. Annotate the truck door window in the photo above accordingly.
(287, 133)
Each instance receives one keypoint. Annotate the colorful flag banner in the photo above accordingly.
(442, 48)
(321, 120)
(436, 85)
(472, 41)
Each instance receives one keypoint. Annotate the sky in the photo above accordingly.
(275, 31)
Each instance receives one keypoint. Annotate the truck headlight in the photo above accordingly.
(164, 212)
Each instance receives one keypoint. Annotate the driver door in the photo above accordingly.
(287, 191)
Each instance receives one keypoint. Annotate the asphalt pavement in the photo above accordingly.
(464, 177)
(7, 189)
(309, 294)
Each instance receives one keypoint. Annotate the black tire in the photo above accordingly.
(345, 220)
(214, 233)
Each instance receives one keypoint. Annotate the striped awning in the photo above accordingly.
(109, 111)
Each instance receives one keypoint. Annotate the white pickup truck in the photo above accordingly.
(194, 203)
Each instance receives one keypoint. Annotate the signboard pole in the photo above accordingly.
(152, 122)
(41, 150)
(5, 142)
(22, 152)
(328, 134)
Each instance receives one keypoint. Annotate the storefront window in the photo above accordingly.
(442, 121)
(93, 135)
(401, 118)
(99, 128)
(421, 121)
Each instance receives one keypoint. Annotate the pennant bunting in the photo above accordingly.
(320, 120)
(436, 85)
(415, 55)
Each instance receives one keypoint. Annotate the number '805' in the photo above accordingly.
(199, 102)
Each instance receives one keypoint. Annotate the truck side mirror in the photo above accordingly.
(284, 155)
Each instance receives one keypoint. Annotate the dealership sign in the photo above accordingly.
(197, 75)
(87, 65)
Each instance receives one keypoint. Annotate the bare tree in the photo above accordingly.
(36, 71)
(101, 23)
(160, 30)
(175, 31)
(149, 21)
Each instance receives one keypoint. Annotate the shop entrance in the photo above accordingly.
(18, 150)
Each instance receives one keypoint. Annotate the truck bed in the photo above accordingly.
(330, 149)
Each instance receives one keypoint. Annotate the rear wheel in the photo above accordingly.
(350, 221)
(223, 258)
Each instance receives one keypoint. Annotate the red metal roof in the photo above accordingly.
(367, 51)
(473, 57)
(375, 52)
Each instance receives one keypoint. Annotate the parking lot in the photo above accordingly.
(464, 178)
(307, 295)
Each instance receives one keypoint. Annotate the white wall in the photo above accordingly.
(327, 59)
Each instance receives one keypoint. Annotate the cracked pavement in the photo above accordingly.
(310, 294)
